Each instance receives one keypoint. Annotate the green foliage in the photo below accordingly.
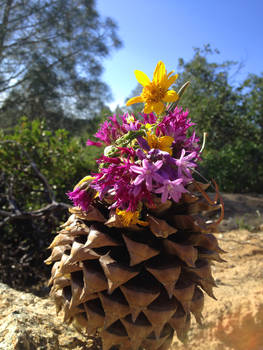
(61, 159)
(252, 89)
(214, 104)
(232, 118)
(236, 167)
(37, 167)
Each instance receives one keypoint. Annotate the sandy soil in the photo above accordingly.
(242, 211)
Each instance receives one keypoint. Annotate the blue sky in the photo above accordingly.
(153, 30)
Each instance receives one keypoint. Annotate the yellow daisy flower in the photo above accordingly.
(129, 218)
(163, 143)
(155, 93)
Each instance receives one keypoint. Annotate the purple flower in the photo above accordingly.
(184, 165)
(127, 151)
(191, 144)
(116, 179)
(80, 198)
(132, 124)
(176, 124)
(147, 172)
(171, 189)
(140, 154)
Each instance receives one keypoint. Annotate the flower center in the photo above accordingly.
(169, 187)
(153, 93)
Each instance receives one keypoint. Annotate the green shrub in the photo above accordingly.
(37, 167)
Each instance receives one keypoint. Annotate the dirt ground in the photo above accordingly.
(242, 212)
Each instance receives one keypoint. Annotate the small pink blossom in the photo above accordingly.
(171, 189)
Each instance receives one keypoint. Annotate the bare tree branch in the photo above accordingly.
(3, 222)
(61, 59)
(4, 24)
(34, 213)
(11, 199)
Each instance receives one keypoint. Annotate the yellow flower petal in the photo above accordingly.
(130, 119)
(136, 99)
(163, 143)
(143, 223)
(152, 140)
(170, 96)
(158, 107)
(148, 126)
(166, 141)
(148, 108)
(142, 78)
(171, 80)
(159, 72)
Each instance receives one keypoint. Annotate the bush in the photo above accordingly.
(236, 167)
(38, 166)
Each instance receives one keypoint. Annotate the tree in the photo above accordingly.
(252, 89)
(214, 104)
(50, 53)
(232, 117)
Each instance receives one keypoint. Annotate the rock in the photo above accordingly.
(242, 327)
(28, 322)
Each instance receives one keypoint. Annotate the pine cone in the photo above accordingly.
(136, 286)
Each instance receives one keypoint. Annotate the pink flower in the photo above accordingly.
(147, 173)
(171, 189)
(184, 165)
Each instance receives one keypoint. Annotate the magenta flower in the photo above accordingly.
(171, 189)
(80, 198)
(110, 131)
(149, 118)
(93, 143)
(103, 159)
(147, 172)
(130, 172)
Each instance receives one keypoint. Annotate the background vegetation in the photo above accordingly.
(52, 100)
